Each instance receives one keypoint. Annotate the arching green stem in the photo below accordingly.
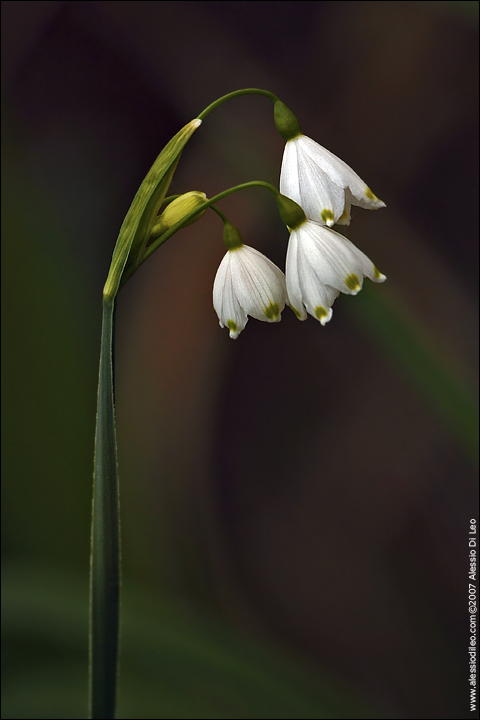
(219, 213)
(237, 93)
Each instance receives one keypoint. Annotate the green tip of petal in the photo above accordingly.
(232, 325)
(297, 314)
(328, 217)
(272, 311)
(320, 312)
(344, 218)
(379, 277)
(373, 198)
(352, 282)
(323, 315)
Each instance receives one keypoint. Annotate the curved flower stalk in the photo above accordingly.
(320, 265)
(322, 184)
(246, 283)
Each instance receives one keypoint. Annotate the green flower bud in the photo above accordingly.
(290, 212)
(231, 236)
(285, 121)
(178, 209)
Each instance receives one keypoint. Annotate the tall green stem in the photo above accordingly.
(105, 547)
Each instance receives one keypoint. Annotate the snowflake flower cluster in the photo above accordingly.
(320, 264)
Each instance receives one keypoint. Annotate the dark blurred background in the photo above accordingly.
(295, 504)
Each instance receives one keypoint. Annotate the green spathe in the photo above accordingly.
(139, 220)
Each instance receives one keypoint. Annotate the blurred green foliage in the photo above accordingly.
(175, 662)
(412, 348)
(47, 417)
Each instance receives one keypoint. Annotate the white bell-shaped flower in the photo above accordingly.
(247, 283)
(322, 184)
(320, 264)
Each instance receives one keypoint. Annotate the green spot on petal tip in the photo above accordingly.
(378, 276)
(352, 282)
(272, 311)
(320, 312)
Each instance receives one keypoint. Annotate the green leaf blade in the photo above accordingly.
(105, 552)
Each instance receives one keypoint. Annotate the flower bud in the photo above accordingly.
(178, 209)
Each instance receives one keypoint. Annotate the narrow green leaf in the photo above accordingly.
(141, 215)
(105, 555)
(178, 659)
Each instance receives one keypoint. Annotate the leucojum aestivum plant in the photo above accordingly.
(317, 190)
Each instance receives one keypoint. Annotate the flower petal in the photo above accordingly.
(294, 290)
(304, 181)
(334, 259)
(334, 264)
(368, 269)
(321, 199)
(227, 307)
(289, 179)
(345, 218)
(317, 296)
(304, 285)
(259, 284)
(357, 191)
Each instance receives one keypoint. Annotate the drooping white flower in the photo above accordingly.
(247, 283)
(320, 264)
(322, 184)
